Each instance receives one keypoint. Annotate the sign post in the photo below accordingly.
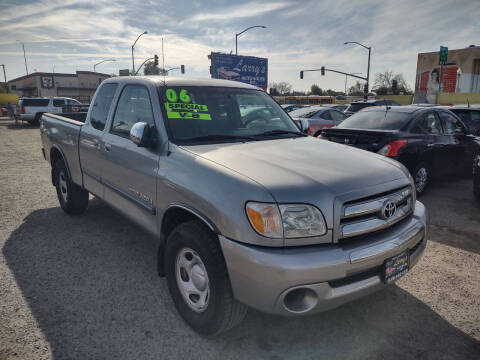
(442, 60)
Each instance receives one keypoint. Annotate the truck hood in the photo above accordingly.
(299, 169)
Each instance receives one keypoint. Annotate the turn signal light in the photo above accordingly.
(22, 110)
(392, 148)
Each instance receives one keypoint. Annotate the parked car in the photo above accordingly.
(313, 119)
(246, 212)
(476, 172)
(428, 141)
(31, 109)
(359, 105)
(290, 107)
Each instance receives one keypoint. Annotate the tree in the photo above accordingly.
(384, 82)
(356, 90)
(151, 69)
(316, 90)
(282, 87)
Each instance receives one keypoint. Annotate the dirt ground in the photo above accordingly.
(86, 287)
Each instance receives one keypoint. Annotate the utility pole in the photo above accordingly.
(5, 77)
(24, 56)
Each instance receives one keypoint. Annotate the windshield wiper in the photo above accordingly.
(281, 132)
(213, 137)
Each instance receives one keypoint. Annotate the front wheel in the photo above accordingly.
(72, 198)
(198, 280)
(421, 176)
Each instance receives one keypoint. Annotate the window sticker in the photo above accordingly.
(184, 109)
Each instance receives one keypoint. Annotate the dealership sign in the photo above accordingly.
(247, 69)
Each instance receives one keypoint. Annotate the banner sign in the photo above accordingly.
(247, 69)
(47, 82)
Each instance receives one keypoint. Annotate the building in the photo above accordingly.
(461, 74)
(80, 86)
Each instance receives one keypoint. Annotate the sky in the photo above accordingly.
(65, 35)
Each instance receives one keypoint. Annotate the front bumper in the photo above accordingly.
(310, 279)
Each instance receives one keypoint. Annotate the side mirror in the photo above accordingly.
(140, 135)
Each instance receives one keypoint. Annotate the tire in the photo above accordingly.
(36, 121)
(192, 249)
(421, 176)
(72, 198)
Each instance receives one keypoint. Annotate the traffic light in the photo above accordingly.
(394, 84)
(322, 70)
(155, 59)
(301, 74)
(182, 69)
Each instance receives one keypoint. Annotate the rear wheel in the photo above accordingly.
(421, 176)
(72, 198)
(198, 280)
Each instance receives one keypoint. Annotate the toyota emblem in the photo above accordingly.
(388, 209)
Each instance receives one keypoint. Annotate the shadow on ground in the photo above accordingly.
(91, 283)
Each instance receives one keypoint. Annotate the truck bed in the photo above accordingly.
(61, 133)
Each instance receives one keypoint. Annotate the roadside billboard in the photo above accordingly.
(247, 69)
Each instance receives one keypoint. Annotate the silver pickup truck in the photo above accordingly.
(248, 211)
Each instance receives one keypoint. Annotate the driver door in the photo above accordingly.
(129, 174)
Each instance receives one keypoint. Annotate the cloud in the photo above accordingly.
(300, 34)
(240, 11)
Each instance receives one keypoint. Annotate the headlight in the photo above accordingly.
(286, 220)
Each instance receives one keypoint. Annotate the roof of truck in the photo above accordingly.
(182, 81)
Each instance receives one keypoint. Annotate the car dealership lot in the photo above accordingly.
(86, 287)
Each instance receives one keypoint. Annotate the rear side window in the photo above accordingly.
(58, 102)
(35, 102)
(103, 100)
(325, 115)
(429, 124)
(337, 115)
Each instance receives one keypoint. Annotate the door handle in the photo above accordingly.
(107, 147)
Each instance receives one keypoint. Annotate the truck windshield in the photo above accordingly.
(379, 120)
(215, 114)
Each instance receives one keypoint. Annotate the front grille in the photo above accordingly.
(376, 213)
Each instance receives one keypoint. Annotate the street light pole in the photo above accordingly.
(240, 33)
(24, 56)
(95, 65)
(133, 46)
(368, 68)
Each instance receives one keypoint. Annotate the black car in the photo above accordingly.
(359, 105)
(476, 171)
(428, 141)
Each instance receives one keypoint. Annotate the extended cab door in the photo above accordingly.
(130, 172)
(90, 148)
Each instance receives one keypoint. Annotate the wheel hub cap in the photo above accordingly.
(421, 179)
(192, 279)
(62, 182)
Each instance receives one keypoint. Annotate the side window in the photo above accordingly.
(337, 115)
(324, 115)
(133, 106)
(58, 102)
(100, 108)
(451, 124)
(429, 124)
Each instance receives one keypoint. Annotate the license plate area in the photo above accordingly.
(396, 267)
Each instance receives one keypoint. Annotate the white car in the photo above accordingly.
(31, 109)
